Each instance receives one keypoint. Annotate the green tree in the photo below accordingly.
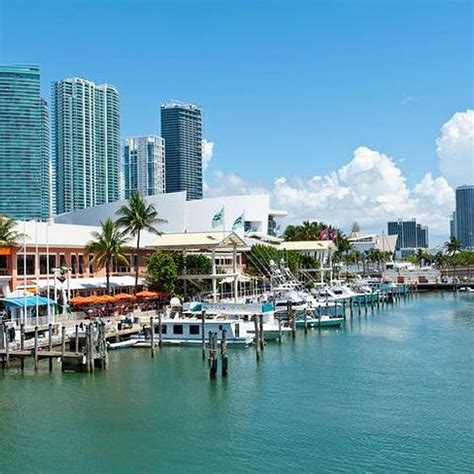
(9, 237)
(453, 246)
(162, 272)
(108, 246)
(135, 217)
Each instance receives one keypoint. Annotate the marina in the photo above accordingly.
(393, 387)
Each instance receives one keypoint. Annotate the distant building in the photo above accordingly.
(25, 170)
(86, 144)
(465, 216)
(365, 242)
(452, 226)
(411, 236)
(144, 165)
(181, 128)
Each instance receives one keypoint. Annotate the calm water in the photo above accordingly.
(393, 391)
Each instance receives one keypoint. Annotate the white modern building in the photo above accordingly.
(86, 144)
(144, 165)
(366, 242)
(246, 214)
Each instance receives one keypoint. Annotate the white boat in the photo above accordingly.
(466, 289)
(189, 331)
(121, 344)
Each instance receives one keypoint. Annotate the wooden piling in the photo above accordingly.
(7, 346)
(50, 346)
(224, 358)
(261, 333)
(152, 336)
(159, 330)
(203, 334)
(212, 355)
(35, 353)
(279, 328)
(306, 321)
(22, 345)
(257, 345)
(76, 339)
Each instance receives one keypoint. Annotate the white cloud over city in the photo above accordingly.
(371, 187)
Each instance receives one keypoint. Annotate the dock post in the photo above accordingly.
(76, 339)
(344, 308)
(261, 333)
(365, 304)
(50, 346)
(225, 359)
(212, 355)
(152, 336)
(279, 328)
(22, 345)
(350, 307)
(293, 321)
(159, 329)
(203, 334)
(7, 346)
(257, 337)
(35, 355)
(2, 343)
(306, 321)
(63, 344)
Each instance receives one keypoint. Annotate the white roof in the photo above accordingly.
(310, 245)
(199, 241)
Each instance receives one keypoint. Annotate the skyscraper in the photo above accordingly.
(25, 178)
(181, 128)
(144, 165)
(465, 216)
(86, 144)
(410, 235)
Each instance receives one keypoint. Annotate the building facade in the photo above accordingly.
(411, 236)
(25, 169)
(452, 226)
(181, 128)
(86, 144)
(465, 216)
(144, 165)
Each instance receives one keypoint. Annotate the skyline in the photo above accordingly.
(306, 76)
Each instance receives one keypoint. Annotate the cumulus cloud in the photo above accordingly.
(370, 188)
(408, 100)
(207, 152)
(455, 148)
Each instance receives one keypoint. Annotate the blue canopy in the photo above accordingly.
(27, 301)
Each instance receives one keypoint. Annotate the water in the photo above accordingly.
(391, 392)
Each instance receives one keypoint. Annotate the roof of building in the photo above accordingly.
(310, 245)
(199, 241)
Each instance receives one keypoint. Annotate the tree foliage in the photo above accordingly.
(9, 237)
(162, 272)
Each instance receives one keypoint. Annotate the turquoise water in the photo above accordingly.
(392, 391)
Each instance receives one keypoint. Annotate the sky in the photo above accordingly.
(341, 110)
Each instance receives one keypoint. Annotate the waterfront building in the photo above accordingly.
(365, 242)
(144, 165)
(25, 169)
(181, 128)
(465, 216)
(411, 236)
(86, 144)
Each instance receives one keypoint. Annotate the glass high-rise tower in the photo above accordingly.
(465, 216)
(144, 165)
(25, 171)
(181, 128)
(86, 144)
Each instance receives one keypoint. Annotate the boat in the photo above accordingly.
(322, 321)
(121, 344)
(466, 289)
(189, 331)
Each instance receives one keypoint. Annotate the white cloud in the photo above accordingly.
(455, 148)
(207, 153)
(408, 100)
(370, 188)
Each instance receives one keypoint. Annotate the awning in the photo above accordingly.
(27, 301)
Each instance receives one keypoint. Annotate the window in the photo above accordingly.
(237, 330)
(163, 329)
(43, 263)
(73, 264)
(30, 264)
(91, 266)
(194, 329)
(81, 264)
(178, 329)
(62, 260)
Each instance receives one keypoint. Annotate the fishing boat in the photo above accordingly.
(466, 289)
(323, 321)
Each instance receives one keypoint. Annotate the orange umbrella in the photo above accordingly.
(148, 294)
(78, 300)
(124, 297)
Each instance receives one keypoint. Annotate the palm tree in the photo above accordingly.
(108, 246)
(9, 237)
(136, 216)
(453, 246)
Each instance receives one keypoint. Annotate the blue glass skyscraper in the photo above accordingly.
(25, 171)
(181, 128)
(465, 216)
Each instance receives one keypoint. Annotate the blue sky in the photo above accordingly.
(289, 88)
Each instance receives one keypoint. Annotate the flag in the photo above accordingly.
(239, 222)
(324, 235)
(334, 235)
(218, 218)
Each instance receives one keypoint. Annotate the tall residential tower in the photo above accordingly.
(144, 165)
(181, 128)
(25, 171)
(86, 144)
(411, 236)
(465, 216)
